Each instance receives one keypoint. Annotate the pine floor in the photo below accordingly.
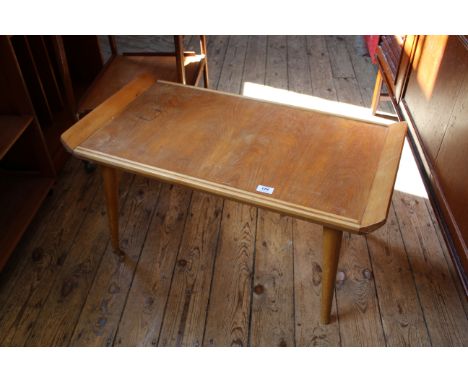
(201, 270)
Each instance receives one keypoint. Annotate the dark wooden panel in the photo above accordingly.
(11, 128)
(452, 170)
(435, 102)
(404, 68)
(435, 81)
(84, 60)
(46, 71)
(32, 79)
(13, 96)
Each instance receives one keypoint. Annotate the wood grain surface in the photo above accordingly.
(227, 155)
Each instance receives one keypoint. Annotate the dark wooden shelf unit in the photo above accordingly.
(11, 128)
(21, 195)
(26, 169)
(37, 61)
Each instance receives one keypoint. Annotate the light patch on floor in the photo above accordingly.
(287, 97)
(408, 178)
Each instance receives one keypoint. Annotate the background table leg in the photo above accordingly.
(111, 189)
(331, 251)
(377, 91)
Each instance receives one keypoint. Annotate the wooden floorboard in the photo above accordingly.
(55, 323)
(44, 254)
(272, 322)
(143, 314)
(205, 271)
(451, 266)
(307, 242)
(341, 64)
(38, 229)
(402, 316)
(185, 314)
(105, 301)
(230, 300)
(298, 65)
(320, 68)
(357, 305)
(217, 46)
(255, 60)
(445, 317)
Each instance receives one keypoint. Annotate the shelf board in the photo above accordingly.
(124, 68)
(20, 197)
(11, 128)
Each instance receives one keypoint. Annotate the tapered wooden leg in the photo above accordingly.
(111, 189)
(377, 91)
(331, 253)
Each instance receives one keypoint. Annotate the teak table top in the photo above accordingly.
(328, 169)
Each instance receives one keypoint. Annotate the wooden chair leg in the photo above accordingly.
(110, 177)
(331, 252)
(377, 91)
(180, 59)
(203, 50)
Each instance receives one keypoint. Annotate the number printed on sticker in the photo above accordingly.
(265, 189)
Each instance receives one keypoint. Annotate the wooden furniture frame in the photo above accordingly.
(433, 116)
(29, 98)
(433, 73)
(327, 169)
(393, 68)
(185, 67)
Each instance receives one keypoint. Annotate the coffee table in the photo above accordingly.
(327, 169)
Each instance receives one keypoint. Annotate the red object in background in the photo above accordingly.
(372, 41)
